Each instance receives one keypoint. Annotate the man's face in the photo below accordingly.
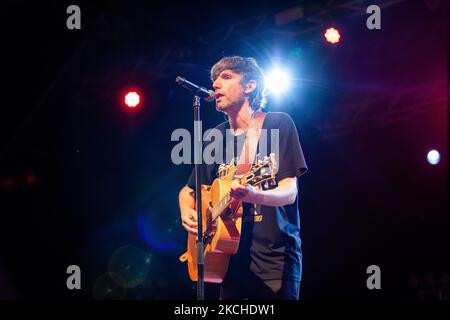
(229, 91)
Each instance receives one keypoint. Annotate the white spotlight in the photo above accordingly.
(278, 81)
(433, 157)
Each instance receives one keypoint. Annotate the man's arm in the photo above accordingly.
(186, 201)
(284, 194)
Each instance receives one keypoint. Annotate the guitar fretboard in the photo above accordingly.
(221, 206)
(249, 178)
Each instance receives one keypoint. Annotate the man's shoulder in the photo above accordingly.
(221, 126)
(278, 119)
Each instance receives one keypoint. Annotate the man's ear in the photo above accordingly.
(250, 86)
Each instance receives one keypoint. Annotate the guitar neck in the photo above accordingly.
(250, 178)
(221, 206)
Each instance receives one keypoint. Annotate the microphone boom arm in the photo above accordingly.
(208, 95)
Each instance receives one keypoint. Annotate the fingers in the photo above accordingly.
(189, 220)
(190, 230)
(193, 215)
(190, 227)
(234, 184)
(190, 223)
(238, 193)
(237, 179)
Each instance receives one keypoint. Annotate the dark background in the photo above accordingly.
(86, 181)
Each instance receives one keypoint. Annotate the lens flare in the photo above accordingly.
(130, 265)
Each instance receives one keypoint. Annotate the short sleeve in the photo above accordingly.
(207, 175)
(291, 158)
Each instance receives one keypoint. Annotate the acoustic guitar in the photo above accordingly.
(222, 218)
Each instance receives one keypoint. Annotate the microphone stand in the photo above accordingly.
(198, 196)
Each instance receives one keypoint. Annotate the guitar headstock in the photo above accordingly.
(262, 173)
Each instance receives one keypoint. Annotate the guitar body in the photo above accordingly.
(222, 219)
(223, 242)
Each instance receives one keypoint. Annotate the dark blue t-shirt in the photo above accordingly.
(270, 244)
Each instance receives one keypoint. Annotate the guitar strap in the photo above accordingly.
(251, 143)
(249, 149)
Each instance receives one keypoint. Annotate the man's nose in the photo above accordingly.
(216, 84)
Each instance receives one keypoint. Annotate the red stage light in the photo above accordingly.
(332, 35)
(8, 183)
(132, 99)
(30, 179)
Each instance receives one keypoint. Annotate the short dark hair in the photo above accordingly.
(249, 70)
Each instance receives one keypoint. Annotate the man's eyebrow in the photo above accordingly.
(227, 72)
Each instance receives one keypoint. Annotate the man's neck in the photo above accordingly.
(240, 119)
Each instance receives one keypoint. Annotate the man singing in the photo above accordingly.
(268, 263)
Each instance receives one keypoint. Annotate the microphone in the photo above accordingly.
(208, 95)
